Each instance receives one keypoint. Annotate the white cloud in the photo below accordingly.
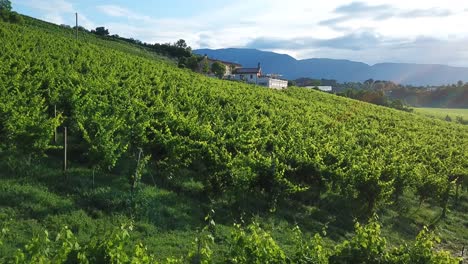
(57, 11)
(52, 11)
(115, 11)
(118, 11)
(51, 6)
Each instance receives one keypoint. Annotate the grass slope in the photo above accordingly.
(205, 131)
(442, 113)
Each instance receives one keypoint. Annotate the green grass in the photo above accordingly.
(442, 113)
(167, 220)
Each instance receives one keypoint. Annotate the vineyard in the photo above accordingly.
(163, 146)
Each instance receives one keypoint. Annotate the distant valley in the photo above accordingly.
(341, 70)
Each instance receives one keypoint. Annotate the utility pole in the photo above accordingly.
(76, 16)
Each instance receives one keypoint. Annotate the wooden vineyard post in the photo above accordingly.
(65, 149)
(55, 130)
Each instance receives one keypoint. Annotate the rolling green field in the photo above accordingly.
(442, 113)
(167, 165)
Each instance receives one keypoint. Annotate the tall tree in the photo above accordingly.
(205, 66)
(5, 5)
(181, 44)
(101, 31)
(218, 69)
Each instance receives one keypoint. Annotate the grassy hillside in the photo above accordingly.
(162, 147)
(442, 113)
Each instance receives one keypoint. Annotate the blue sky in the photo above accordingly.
(430, 31)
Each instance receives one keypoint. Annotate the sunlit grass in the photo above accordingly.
(442, 113)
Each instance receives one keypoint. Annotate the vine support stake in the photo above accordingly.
(55, 129)
(65, 149)
(135, 177)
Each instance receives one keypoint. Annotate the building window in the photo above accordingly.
(251, 76)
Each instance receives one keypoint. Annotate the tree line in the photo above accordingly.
(394, 95)
(7, 15)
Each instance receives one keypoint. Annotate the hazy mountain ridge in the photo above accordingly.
(341, 70)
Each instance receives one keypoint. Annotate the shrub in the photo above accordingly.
(423, 251)
(253, 245)
(366, 246)
(309, 251)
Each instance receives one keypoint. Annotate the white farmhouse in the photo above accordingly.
(255, 76)
(271, 82)
(250, 75)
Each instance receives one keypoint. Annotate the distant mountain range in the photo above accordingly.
(341, 70)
